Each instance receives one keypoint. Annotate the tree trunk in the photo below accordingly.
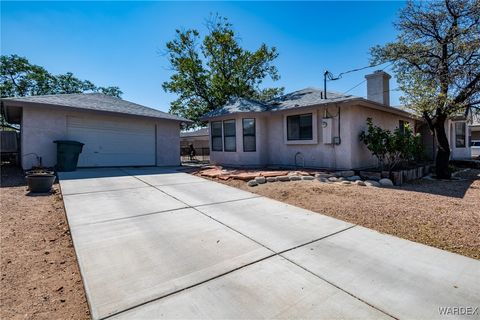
(443, 150)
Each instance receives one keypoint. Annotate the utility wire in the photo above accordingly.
(331, 77)
(363, 81)
(359, 69)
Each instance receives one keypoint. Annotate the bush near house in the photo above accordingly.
(392, 149)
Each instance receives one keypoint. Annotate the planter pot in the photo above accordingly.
(40, 182)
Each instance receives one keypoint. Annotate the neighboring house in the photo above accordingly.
(115, 132)
(458, 133)
(305, 128)
(474, 129)
(199, 138)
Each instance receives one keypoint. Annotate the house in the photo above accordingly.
(307, 128)
(198, 138)
(115, 132)
(303, 128)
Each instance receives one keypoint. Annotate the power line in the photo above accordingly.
(363, 81)
(331, 77)
(359, 69)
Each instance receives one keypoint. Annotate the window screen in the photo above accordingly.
(216, 128)
(249, 140)
(229, 135)
(299, 127)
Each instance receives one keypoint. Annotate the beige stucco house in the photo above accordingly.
(305, 128)
(115, 132)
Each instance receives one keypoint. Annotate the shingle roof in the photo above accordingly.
(97, 102)
(296, 99)
(237, 105)
(305, 97)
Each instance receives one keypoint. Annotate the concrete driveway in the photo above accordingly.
(156, 243)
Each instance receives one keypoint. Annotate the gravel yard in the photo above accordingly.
(443, 214)
(39, 272)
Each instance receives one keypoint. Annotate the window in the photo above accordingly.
(299, 127)
(216, 128)
(401, 125)
(229, 135)
(249, 143)
(460, 134)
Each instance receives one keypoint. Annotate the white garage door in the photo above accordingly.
(113, 143)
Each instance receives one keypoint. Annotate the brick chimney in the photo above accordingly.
(378, 87)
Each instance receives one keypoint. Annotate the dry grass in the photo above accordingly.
(39, 272)
(443, 214)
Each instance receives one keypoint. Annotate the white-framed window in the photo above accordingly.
(300, 127)
(229, 135)
(216, 133)
(249, 138)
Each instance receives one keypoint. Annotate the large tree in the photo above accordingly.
(18, 77)
(436, 59)
(208, 72)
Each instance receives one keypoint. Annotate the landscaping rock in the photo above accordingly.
(369, 175)
(345, 174)
(341, 179)
(385, 182)
(323, 175)
(325, 180)
(271, 179)
(267, 174)
(283, 178)
(308, 178)
(346, 182)
(299, 173)
(295, 178)
(333, 179)
(252, 183)
(353, 178)
(360, 183)
(372, 183)
(261, 180)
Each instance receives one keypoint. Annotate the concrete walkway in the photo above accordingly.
(156, 243)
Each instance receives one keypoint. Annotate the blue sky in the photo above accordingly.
(121, 43)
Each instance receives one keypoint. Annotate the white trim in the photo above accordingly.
(314, 139)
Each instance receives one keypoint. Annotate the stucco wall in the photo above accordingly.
(241, 158)
(168, 142)
(42, 125)
(356, 123)
(274, 149)
(315, 153)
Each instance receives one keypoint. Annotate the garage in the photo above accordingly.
(114, 132)
(112, 143)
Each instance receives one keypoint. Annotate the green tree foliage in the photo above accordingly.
(392, 148)
(18, 77)
(437, 63)
(207, 74)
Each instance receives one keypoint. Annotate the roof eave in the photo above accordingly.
(6, 102)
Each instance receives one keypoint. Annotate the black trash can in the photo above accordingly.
(67, 154)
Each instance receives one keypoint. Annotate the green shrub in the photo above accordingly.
(392, 148)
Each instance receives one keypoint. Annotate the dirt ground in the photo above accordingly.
(39, 272)
(443, 214)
